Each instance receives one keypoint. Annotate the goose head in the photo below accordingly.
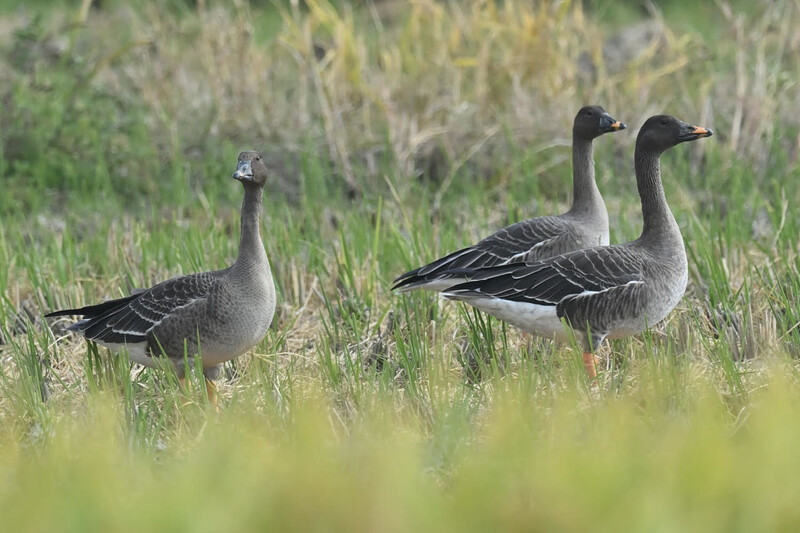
(592, 121)
(662, 132)
(251, 168)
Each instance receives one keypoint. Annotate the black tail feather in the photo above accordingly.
(91, 311)
(443, 268)
(399, 281)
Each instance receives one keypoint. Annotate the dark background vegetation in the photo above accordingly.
(396, 132)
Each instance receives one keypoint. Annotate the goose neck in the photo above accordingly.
(586, 198)
(659, 223)
(251, 249)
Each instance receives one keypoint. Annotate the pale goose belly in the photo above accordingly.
(137, 352)
(539, 320)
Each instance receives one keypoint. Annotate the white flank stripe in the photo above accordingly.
(589, 293)
(129, 332)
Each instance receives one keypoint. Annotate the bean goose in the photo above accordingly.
(218, 315)
(604, 291)
(584, 225)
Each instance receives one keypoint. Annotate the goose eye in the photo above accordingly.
(663, 122)
(258, 158)
(588, 113)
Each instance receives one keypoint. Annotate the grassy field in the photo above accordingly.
(397, 132)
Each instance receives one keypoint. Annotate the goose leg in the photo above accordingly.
(211, 391)
(184, 391)
(590, 363)
(211, 373)
(590, 360)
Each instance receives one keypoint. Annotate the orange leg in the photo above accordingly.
(184, 391)
(590, 363)
(211, 391)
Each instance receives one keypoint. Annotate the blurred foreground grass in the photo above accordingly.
(630, 462)
(397, 132)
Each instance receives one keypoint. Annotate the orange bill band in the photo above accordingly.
(701, 131)
(617, 125)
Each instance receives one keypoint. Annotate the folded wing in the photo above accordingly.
(551, 281)
(129, 319)
(524, 241)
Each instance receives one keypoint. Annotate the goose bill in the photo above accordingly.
(608, 123)
(243, 171)
(694, 133)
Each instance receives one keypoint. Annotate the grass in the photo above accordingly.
(397, 133)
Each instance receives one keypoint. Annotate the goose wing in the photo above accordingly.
(524, 241)
(129, 319)
(582, 273)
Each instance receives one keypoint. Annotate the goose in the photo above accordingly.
(217, 315)
(604, 291)
(584, 225)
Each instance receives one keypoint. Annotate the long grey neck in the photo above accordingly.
(251, 249)
(586, 198)
(660, 228)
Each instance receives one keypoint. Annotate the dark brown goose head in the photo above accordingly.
(662, 132)
(251, 169)
(592, 121)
